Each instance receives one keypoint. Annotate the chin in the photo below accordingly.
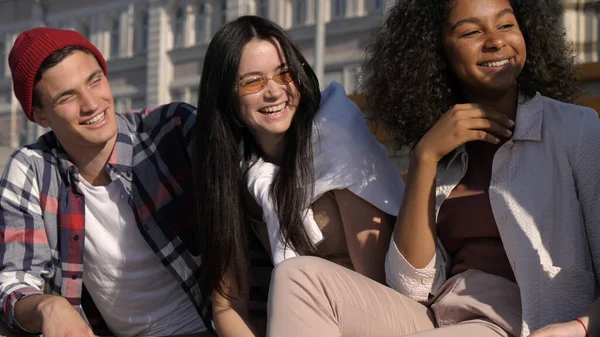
(497, 85)
(277, 128)
(502, 87)
(104, 138)
(277, 132)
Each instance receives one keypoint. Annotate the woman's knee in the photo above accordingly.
(299, 269)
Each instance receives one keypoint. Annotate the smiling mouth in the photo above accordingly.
(273, 110)
(95, 120)
(494, 64)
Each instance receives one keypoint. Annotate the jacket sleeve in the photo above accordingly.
(24, 251)
(416, 283)
(586, 171)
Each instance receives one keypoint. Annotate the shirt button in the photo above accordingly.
(76, 237)
(503, 218)
(74, 277)
(497, 178)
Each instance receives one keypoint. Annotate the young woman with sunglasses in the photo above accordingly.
(277, 159)
(499, 230)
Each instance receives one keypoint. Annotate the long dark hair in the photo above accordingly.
(222, 229)
(407, 78)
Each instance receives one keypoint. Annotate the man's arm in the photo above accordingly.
(51, 315)
(24, 251)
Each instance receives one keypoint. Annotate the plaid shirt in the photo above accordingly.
(42, 217)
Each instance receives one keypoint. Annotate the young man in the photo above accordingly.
(96, 216)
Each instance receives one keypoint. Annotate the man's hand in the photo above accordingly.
(51, 315)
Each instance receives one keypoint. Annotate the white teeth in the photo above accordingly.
(495, 64)
(95, 119)
(274, 109)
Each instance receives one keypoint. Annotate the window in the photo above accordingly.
(350, 77)
(84, 29)
(178, 95)
(114, 39)
(142, 34)
(378, 5)
(201, 33)
(194, 96)
(299, 12)
(332, 76)
(339, 8)
(178, 28)
(262, 7)
(138, 103)
(2, 59)
(123, 104)
(223, 11)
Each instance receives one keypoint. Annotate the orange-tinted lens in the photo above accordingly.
(251, 86)
(283, 77)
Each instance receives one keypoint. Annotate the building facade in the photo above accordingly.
(155, 48)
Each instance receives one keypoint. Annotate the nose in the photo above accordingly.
(89, 101)
(273, 89)
(494, 41)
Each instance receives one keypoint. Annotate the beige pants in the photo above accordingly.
(314, 297)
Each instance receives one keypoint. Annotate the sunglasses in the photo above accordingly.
(254, 84)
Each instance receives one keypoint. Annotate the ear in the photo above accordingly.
(39, 117)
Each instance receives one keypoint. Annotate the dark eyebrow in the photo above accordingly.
(93, 75)
(72, 91)
(281, 66)
(62, 94)
(475, 20)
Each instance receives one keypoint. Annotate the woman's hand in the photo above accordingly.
(569, 329)
(459, 125)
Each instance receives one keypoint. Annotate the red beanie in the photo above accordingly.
(30, 50)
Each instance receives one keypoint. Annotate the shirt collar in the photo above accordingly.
(121, 159)
(528, 125)
(453, 156)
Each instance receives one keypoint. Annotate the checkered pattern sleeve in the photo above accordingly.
(24, 251)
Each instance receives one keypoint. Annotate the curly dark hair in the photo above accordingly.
(407, 79)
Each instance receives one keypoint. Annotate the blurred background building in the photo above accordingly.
(155, 48)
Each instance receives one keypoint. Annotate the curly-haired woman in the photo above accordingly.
(499, 230)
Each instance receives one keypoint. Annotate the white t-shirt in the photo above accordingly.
(134, 292)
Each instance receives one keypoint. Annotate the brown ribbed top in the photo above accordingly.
(466, 225)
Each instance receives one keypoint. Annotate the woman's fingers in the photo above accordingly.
(488, 125)
(470, 111)
(481, 135)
